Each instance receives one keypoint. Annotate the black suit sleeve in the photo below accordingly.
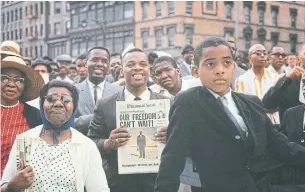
(177, 147)
(290, 152)
(276, 94)
(98, 131)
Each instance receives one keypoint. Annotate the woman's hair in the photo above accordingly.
(209, 42)
(59, 83)
(26, 83)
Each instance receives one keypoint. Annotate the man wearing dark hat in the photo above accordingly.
(188, 56)
(64, 62)
(43, 68)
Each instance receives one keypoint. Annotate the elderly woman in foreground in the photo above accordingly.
(61, 158)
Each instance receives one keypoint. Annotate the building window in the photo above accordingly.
(274, 38)
(171, 8)
(3, 36)
(68, 25)
(31, 9)
(228, 10)
(3, 18)
(68, 6)
(128, 10)
(158, 34)
(20, 34)
(8, 17)
(36, 31)
(144, 36)
(36, 9)
(31, 31)
(261, 36)
(158, 5)
(41, 51)
(41, 29)
(36, 51)
(293, 17)
(57, 28)
(41, 8)
(26, 10)
(118, 12)
(248, 8)
(12, 35)
(188, 34)
(16, 15)
(26, 32)
(16, 34)
(209, 5)
(261, 6)
(145, 5)
(171, 34)
(274, 14)
(26, 52)
(128, 40)
(293, 43)
(109, 14)
(7, 35)
(189, 8)
(229, 33)
(57, 7)
(20, 14)
(92, 12)
(12, 16)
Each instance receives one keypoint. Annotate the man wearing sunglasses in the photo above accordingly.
(257, 80)
(277, 57)
(285, 93)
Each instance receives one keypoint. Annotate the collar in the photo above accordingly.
(129, 96)
(228, 96)
(91, 85)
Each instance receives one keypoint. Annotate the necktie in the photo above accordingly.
(241, 129)
(95, 93)
(137, 98)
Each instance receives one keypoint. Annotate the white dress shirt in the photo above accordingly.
(232, 107)
(130, 97)
(100, 89)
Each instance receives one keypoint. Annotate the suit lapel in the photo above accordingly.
(87, 96)
(209, 104)
(107, 91)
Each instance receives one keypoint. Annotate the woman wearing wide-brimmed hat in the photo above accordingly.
(19, 84)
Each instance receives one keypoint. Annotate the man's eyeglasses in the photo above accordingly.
(259, 53)
(18, 80)
(279, 54)
(65, 99)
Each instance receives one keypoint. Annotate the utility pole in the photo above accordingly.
(236, 24)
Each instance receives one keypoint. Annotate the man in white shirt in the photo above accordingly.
(257, 80)
(64, 62)
(94, 87)
(108, 137)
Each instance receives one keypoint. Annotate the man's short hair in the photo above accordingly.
(116, 55)
(208, 42)
(171, 60)
(81, 56)
(101, 48)
(133, 50)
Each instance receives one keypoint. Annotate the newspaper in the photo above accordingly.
(142, 119)
(23, 150)
(301, 96)
(189, 175)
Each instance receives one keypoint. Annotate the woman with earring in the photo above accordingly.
(19, 84)
(61, 158)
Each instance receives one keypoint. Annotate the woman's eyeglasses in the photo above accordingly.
(65, 99)
(18, 80)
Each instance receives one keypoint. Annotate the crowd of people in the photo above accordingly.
(242, 123)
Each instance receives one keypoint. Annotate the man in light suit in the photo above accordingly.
(108, 137)
(141, 142)
(226, 133)
(94, 87)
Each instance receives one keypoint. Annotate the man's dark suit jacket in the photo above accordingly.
(104, 121)
(285, 94)
(199, 126)
(292, 124)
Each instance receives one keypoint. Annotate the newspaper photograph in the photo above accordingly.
(142, 119)
(302, 90)
(23, 150)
